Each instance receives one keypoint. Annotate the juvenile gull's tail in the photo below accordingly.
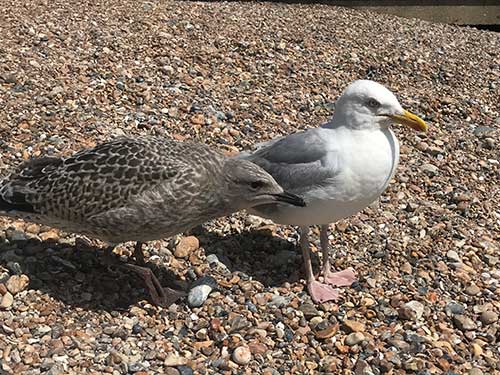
(15, 189)
(13, 199)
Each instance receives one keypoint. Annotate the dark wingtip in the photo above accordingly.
(17, 202)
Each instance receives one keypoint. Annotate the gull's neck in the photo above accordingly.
(356, 120)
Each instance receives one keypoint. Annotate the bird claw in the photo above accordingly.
(169, 296)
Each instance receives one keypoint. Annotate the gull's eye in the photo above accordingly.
(372, 103)
(257, 184)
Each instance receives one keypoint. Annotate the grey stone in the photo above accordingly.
(453, 256)
(454, 308)
(483, 130)
(416, 307)
(4, 276)
(278, 301)
(199, 293)
(464, 323)
(430, 169)
(238, 323)
(16, 235)
(309, 310)
(9, 78)
(354, 338)
(15, 268)
(185, 370)
(362, 368)
(489, 317)
(214, 261)
(57, 369)
(472, 290)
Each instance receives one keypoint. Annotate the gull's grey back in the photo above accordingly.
(297, 161)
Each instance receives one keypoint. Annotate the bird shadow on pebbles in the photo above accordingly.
(258, 254)
(80, 275)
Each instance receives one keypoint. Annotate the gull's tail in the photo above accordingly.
(13, 200)
(17, 189)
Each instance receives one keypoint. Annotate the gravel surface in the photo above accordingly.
(73, 73)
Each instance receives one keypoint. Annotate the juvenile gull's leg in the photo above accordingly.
(161, 296)
(341, 278)
(109, 255)
(319, 292)
(138, 254)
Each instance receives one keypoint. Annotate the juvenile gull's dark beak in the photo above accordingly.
(290, 198)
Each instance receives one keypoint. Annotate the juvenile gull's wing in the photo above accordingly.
(96, 180)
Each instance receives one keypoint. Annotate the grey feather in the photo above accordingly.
(297, 162)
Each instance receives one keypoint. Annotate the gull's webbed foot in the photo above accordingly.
(341, 278)
(320, 292)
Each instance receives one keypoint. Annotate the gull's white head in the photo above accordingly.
(367, 104)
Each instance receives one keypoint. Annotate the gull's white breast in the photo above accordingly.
(366, 162)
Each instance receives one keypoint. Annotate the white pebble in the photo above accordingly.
(242, 355)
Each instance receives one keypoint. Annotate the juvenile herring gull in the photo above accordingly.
(338, 168)
(137, 189)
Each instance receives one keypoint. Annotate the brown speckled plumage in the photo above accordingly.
(139, 189)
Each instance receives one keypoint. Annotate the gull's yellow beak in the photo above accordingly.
(411, 120)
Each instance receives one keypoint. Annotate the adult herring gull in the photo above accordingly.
(338, 168)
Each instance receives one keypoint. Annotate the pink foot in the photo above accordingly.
(321, 292)
(341, 278)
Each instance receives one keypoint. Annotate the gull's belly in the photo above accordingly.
(319, 212)
(364, 174)
(335, 202)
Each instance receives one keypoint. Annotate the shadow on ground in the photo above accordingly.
(81, 275)
(259, 254)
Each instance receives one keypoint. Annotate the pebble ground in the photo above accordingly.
(73, 73)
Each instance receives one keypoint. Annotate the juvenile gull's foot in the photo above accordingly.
(161, 296)
(320, 292)
(341, 278)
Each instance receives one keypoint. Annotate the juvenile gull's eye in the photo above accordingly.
(256, 184)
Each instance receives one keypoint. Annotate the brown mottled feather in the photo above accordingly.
(127, 189)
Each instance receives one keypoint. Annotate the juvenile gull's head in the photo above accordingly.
(248, 185)
(367, 104)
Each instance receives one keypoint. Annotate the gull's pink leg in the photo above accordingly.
(341, 278)
(318, 291)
